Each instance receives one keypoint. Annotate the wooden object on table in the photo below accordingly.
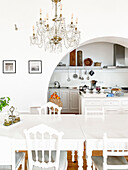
(88, 62)
(73, 58)
(97, 64)
(79, 58)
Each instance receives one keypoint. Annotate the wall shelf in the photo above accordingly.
(78, 68)
(95, 68)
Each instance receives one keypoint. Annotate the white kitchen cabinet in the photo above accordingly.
(124, 105)
(74, 100)
(69, 98)
(112, 105)
(64, 95)
(93, 103)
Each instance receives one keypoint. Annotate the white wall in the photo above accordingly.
(96, 19)
(98, 52)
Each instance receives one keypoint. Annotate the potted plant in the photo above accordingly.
(4, 101)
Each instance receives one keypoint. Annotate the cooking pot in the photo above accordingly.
(56, 84)
(84, 88)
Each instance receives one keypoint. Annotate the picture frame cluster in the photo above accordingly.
(34, 66)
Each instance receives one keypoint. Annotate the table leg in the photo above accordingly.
(80, 155)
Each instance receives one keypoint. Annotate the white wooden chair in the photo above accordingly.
(113, 155)
(94, 112)
(50, 108)
(43, 145)
(9, 159)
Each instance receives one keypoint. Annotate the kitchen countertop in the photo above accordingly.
(102, 95)
(58, 87)
(74, 88)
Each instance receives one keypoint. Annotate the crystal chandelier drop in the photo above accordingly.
(53, 38)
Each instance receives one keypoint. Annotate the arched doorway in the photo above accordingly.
(100, 50)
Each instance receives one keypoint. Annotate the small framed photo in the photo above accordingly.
(35, 66)
(9, 66)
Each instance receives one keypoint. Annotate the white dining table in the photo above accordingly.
(115, 126)
(73, 138)
(77, 129)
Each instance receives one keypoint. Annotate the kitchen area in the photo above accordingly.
(94, 75)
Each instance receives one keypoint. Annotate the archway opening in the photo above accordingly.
(99, 50)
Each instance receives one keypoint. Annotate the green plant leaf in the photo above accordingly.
(4, 101)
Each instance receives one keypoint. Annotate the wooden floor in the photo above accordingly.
(73, 165)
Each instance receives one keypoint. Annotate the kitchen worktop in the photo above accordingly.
(63, 88)
(102, 95)
(58, 87)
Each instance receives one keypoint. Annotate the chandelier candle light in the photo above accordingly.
(52, 38)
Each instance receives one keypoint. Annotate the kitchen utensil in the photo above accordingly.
(91, 73)
(82, 78)
(68, 79)
(115, 89)
(80, 75)
(75, 76)
(119, 94)
(88, 62)
(85, 72)
(124, 89)
(93, 84)
(110, 95)
(88, 77)
(98, 89)
(84, 88)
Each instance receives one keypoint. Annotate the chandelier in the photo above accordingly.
(55, 36)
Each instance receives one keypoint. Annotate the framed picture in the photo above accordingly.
(35, 66)
(9, 66)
